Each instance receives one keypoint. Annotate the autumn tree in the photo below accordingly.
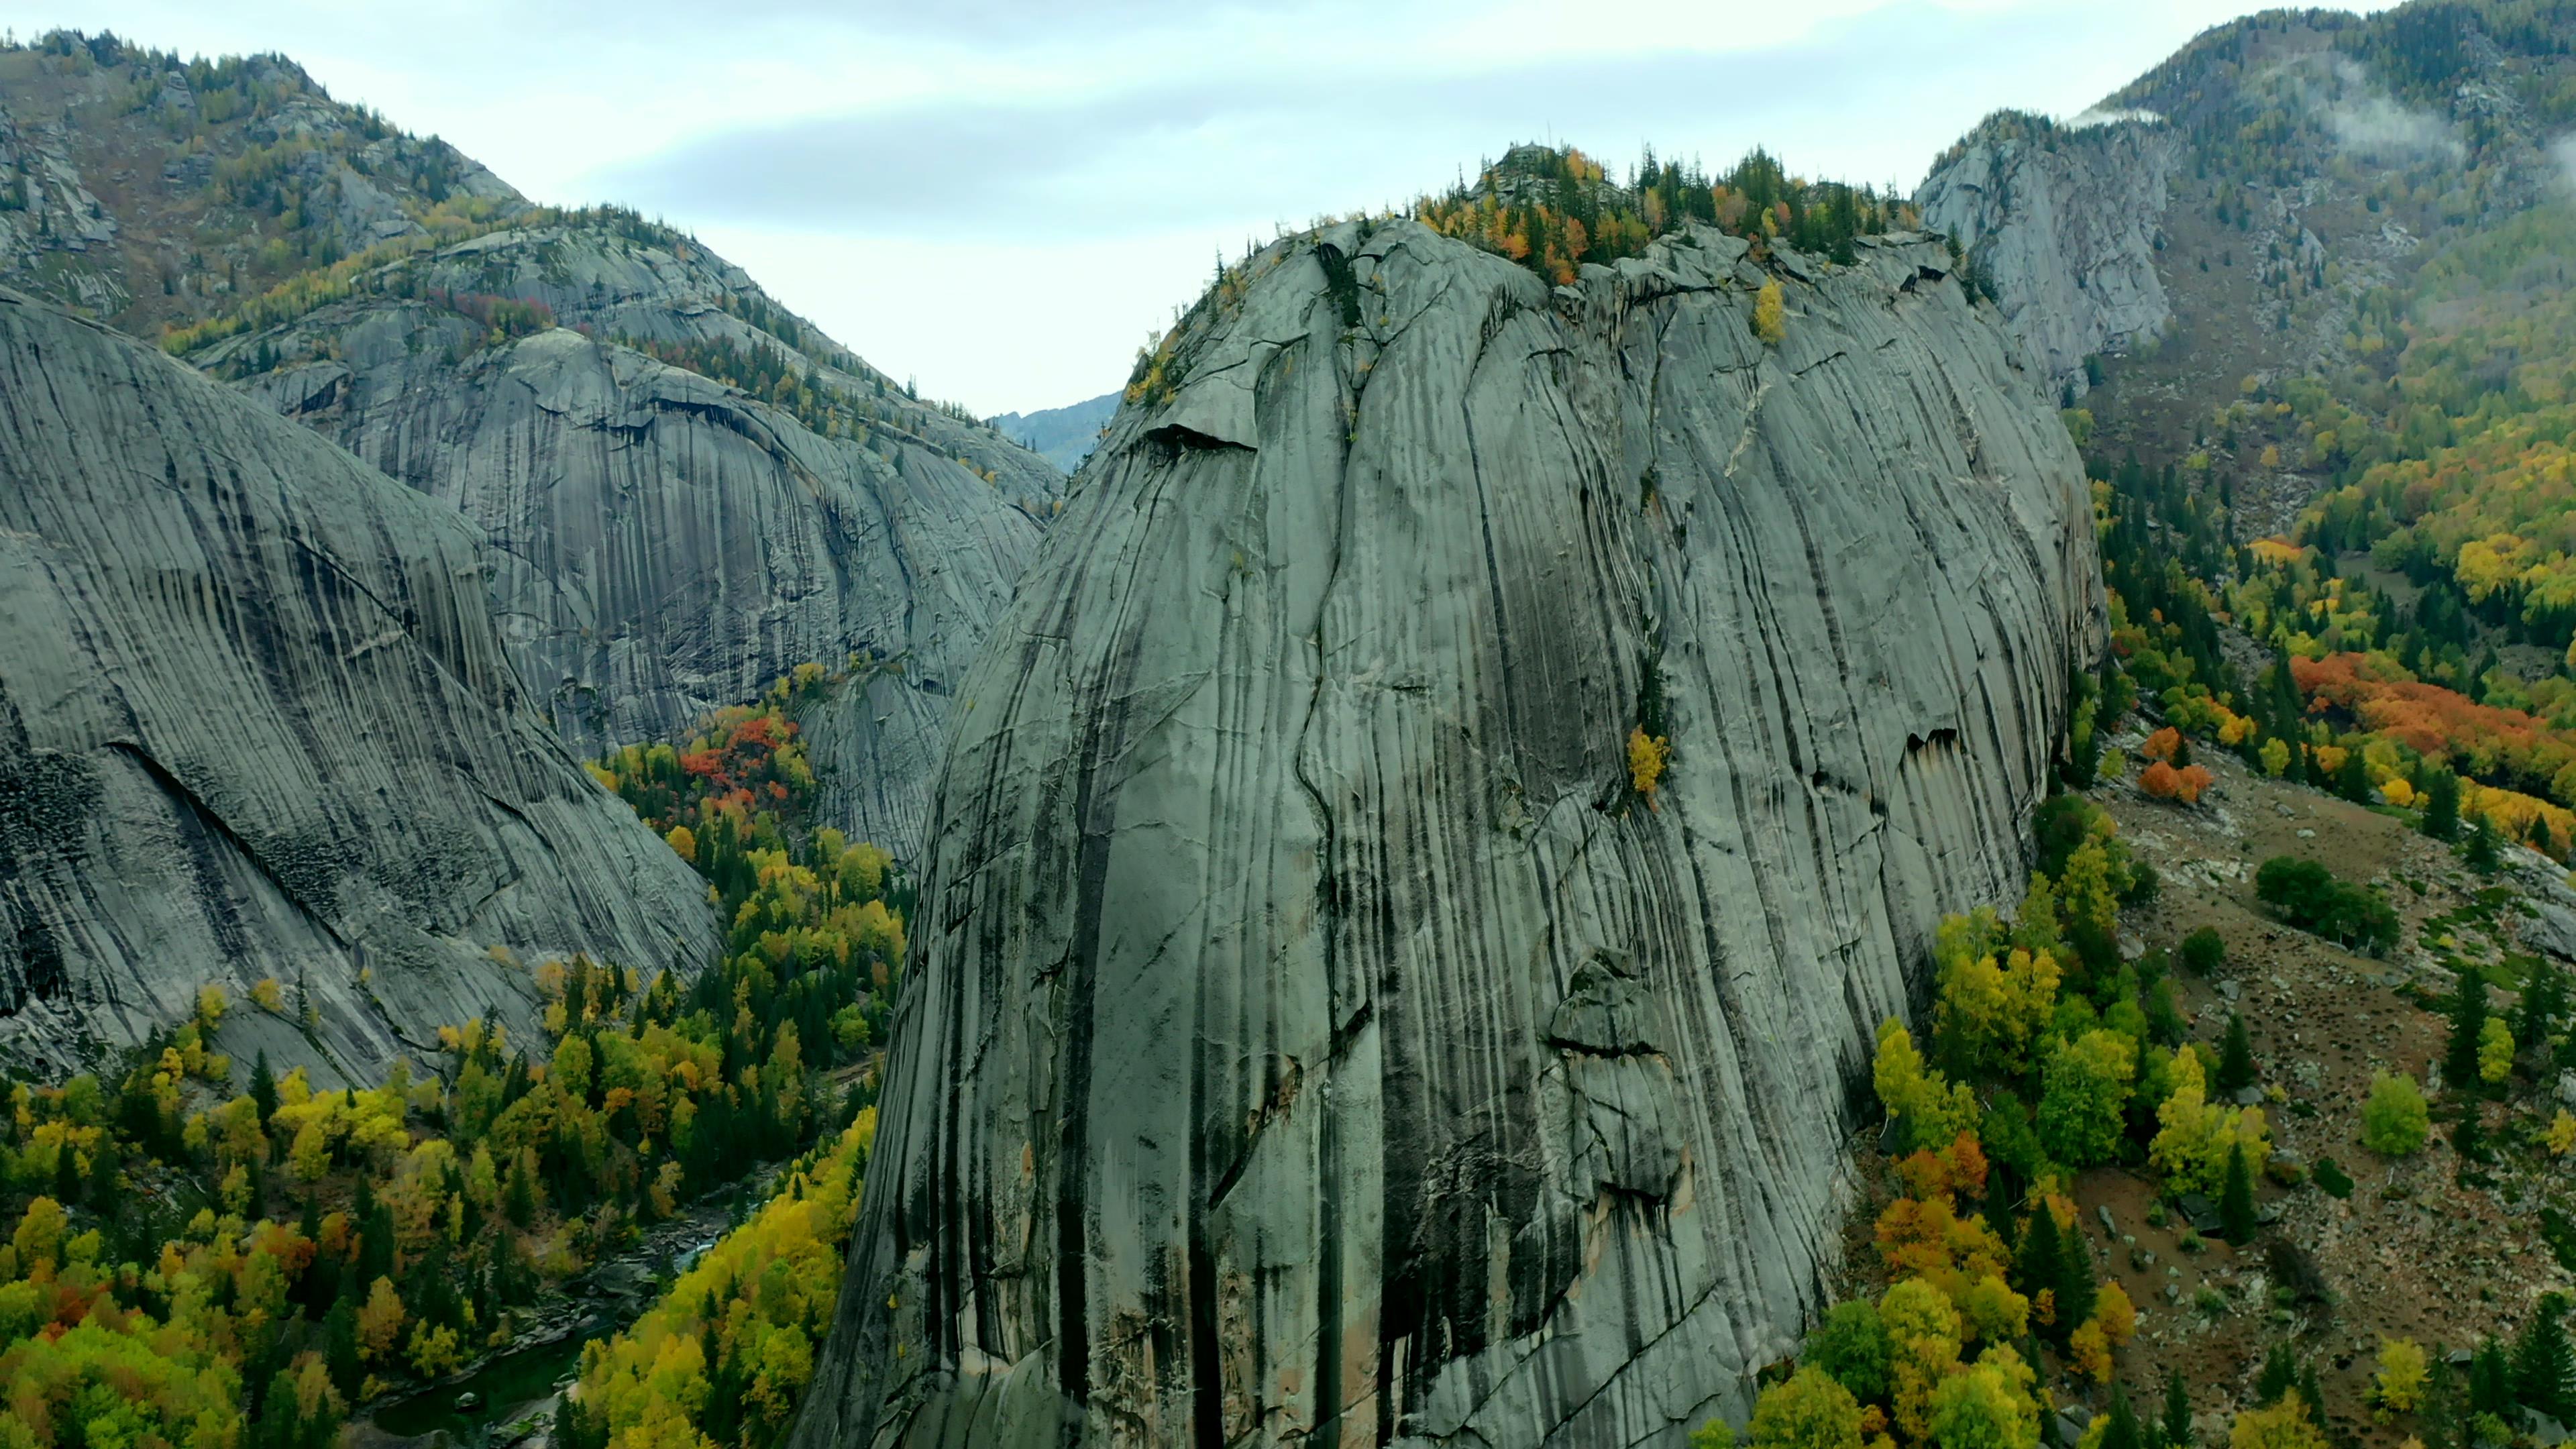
(1851, 1344)
(1808, 1410)
(1770, 314)
(1987, 1405)
(2397, 1385)
(2086, 1093)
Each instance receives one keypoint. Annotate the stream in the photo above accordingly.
(504, 1388)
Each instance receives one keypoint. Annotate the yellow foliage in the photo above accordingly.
(1646, 756)
(1770, 314)
(2398, 1385)
(2192, 1141)
(2283, 1426)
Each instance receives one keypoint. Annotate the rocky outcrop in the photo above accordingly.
(2061, 223)
(256, 721)
(1313, 1033)
(667, 542)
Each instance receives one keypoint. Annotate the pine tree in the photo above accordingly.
(340, 1349)
(2544, 999)
(2121, 1431)
(2235, 1058)
(2468, 1022)
(2544, 1365)
(2175, 1429)
(2481, 852)
(2236, 1199)
(519, 1194)
(2040, 1265)
(2076, 1288)
(2352, 781)
(2468, 1137)
(2441, 804)
(263, 1087)
(2490, 1380)
(2441, 1421)
(2279, 1376)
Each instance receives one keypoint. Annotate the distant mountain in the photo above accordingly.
(1063, 436)
(687, 489)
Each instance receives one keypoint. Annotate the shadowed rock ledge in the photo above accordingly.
(1312, 1034)
(256, 721)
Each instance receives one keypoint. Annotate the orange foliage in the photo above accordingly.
(2163, 782)
(2162, 744)
(1958, 1169)
(1929, 1240)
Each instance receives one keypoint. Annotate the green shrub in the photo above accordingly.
(2331, 1176)
(2204, 951)
(2308, 896)
(2395, 1121)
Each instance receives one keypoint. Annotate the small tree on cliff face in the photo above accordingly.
(1770, 314)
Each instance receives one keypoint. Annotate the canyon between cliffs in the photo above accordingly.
(1317, 1028)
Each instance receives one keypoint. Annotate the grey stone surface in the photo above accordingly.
(1311, 1036)
(2064, 223)
(256, 721)
(667, 544)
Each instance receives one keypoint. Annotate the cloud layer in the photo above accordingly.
(1003, 196)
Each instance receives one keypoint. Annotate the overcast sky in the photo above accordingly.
(1003, 197)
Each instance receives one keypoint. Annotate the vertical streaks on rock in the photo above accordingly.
(1313, 1034)
(257, 712)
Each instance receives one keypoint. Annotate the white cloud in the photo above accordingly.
(1003, 196)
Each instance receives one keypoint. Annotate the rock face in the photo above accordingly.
(2062, 222)
(1313, 1034)
(667, 543)
(256, 721)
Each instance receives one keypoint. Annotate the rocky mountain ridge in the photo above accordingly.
(148, 190)
(260, 725)
(1421, 862)
(689, 490)
(2229, 214)
(2064, 224)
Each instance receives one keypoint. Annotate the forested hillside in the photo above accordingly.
(152, 190)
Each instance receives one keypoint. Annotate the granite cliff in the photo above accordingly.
(1321, 1025)
(689, 491)
(2063, 224)
(257, 721)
